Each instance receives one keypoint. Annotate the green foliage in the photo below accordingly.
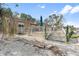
(6, 17)
(17, 5)
(33, 19)
(41, 21)
(57, 21)
(6, 12)
(75, 36)
(23, 16)
(45, 32)
(69, 32)
(27, 17)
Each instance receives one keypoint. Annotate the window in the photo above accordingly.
(21, 25)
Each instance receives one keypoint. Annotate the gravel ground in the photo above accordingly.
(20, 48)
(24, 46)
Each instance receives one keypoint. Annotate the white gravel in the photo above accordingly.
(24, 46)
(20, 48)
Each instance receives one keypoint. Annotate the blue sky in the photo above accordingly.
(69, 10)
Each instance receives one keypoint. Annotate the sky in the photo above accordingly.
(69, 10)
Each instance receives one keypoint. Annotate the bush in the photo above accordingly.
(75, 36)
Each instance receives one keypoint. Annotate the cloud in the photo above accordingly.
(42, 6)
(66, 9)
(75, 9)
(54, 12)
(69, 9)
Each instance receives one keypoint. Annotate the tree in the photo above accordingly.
(0, 17)
(56, 21)
(69, 32)
(7, 12)
(8, 21)
(46, 25)
(33, 19)
(17, 5)
(41, 21)
(23, 16)
(8, 25)
(4, 15)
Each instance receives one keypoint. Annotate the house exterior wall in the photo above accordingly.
(21, 28)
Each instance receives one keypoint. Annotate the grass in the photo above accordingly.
(67, 43)
(75, 36)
